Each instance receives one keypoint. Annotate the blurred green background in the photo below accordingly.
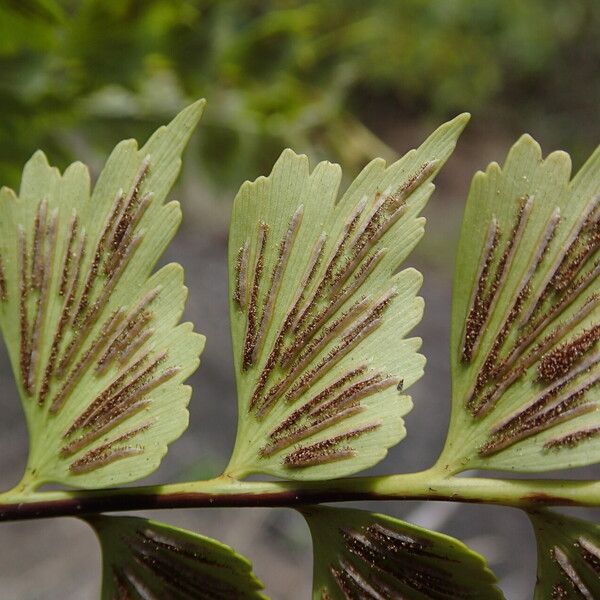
(344, 80)
(325, 77)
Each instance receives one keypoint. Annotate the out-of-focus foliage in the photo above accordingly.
(278, 72)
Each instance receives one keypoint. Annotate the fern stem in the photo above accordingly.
(226, 492)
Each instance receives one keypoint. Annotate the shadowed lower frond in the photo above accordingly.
(367, 556)
(568, 557)
(147, 560)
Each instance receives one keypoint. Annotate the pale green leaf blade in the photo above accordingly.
(526, 317)
(568, 557)
(320, 313)
(358, 554)
(145, 559)
(93, 337)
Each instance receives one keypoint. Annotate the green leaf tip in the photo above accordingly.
(568, 557)
(358, 554)
(320, 313)
(526, 317)
(92, 334)
(143, 558)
